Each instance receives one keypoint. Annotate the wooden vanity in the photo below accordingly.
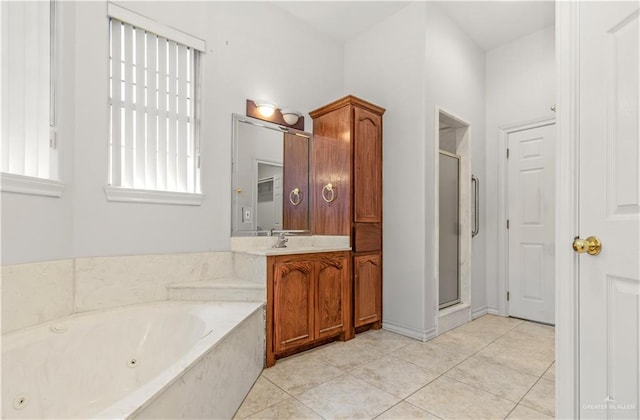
(308, 301)
(347, 180)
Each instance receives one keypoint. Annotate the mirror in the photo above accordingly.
(270, 178)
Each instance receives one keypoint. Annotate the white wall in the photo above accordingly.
(455, 83)
(520, 87)
(254, 50)
(386, 65)
(410, 63)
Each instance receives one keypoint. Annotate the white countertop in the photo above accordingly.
(294, 250)
(304, 244)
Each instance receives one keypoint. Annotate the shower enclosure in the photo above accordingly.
(449, 229)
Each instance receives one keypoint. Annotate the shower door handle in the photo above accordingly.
(476, 205)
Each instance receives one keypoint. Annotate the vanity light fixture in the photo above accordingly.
(265, 108)
(290, 116)
(268, 111)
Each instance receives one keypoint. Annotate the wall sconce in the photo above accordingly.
(269, 111)
(266, 108)
(290, 116)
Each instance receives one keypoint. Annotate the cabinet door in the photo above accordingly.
(296, 178)
(332, 294)
(367, 166)
(367, 270)
(331, 164)
(293, 304)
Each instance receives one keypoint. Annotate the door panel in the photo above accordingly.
(296, 175)
(609, 293)
(367, 168)
(330, 290)
(367, 289)
(293, 304)
(449, 235)
(331, 164)
(532, 224)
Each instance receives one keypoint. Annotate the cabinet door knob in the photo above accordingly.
(328, 193)
(295, 196)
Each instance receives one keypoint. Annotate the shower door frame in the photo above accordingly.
(459, 286)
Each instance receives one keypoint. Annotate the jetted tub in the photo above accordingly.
(158, 360)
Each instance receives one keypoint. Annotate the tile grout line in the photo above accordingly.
(462, 361)
(522, 398)
(293, 397)
(390, 353)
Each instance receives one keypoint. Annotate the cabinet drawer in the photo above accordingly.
(367, 237)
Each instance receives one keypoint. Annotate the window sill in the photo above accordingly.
(152, 197)
(22, 184)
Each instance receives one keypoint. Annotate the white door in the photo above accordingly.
(609, 207)
(531, 215)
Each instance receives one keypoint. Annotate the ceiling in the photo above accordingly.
(494, 23)
(342, 20)
(489, 23)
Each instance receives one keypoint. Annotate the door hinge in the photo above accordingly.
(198, 162)
(508, 296)
(507, 223)
(507, 153)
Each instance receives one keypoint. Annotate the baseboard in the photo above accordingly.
(421, 335)
(493, 311)
(478, 312)
(453, 317)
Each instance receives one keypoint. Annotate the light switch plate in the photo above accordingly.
(246, 215)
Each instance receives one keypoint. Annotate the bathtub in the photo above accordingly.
(158, 360)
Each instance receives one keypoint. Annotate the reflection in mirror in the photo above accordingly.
(270, 178)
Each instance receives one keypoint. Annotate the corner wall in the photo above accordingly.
(455, 83)
(520, 84)
(385, 65)
(410, 63)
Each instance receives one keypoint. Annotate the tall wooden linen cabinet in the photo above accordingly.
(346, 177)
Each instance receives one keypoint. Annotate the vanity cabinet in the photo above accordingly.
(308, 301)
(346, 179)
(367, 283)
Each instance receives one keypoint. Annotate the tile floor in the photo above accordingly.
(490, 368)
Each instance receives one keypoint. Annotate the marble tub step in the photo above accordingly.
(226, 289)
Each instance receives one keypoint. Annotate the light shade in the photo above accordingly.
(265, 108)
(290, 117)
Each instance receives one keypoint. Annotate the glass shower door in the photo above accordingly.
(449, 229)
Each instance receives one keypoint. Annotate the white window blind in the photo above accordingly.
(153, 111)
(27, 90)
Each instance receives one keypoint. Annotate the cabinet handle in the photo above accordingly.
(295, 196)
(329, 188)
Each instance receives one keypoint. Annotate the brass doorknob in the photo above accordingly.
(591, 245)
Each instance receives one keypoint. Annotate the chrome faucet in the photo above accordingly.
(282, 240)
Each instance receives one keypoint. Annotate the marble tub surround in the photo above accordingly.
(250, 267)
(106, 282)
(211, 354)
(396, 377)
(247, 283)
(263, 245)
(35, 293)
(225, 289)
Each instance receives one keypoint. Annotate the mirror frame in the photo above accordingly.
(236, 120)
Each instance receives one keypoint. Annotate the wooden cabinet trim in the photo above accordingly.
(346, 101)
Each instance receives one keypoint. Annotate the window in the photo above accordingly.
(29, 158)
(153, 110)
